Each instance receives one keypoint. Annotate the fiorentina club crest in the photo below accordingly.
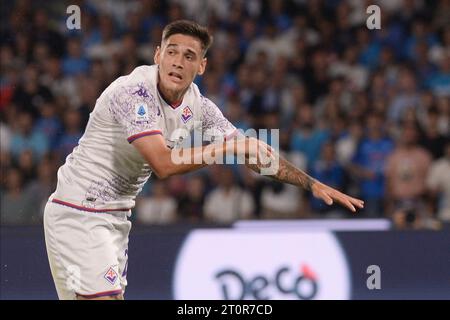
(186, 114)
(111, 276)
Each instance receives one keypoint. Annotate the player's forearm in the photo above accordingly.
(185, 160)
(287, 173)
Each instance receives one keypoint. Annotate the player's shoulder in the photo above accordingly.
(203, 101)
(141, 81)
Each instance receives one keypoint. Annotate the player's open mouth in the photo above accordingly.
(175, 76)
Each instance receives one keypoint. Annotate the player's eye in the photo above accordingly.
(189, 57)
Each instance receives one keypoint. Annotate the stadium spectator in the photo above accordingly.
(438, 182)
(16, 205)
(369, 164)
(227, 202)
(24, 137)
(406, 172)
(159, 208)
(191, 203)
(328, 169)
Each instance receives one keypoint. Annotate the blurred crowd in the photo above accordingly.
(365, 111)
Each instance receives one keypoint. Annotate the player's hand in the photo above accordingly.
(256, 151)
(330, 195)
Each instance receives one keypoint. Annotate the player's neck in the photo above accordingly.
(171, 97)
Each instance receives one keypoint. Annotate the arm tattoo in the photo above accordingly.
(288, 173)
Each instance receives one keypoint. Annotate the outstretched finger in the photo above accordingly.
(328, 200)
(345, 200)
(357, 202)
(350, 205)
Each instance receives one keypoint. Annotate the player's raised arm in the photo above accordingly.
(288, 173)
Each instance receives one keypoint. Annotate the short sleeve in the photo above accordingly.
(136, 110)
(214, 125)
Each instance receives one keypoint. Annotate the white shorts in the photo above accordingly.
(87, 251)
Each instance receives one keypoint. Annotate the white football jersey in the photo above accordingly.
(105, 172)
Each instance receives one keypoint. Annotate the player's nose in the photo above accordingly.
(177, 63)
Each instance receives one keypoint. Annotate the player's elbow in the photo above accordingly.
(162, 172)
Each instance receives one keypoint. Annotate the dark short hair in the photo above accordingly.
(189, 28)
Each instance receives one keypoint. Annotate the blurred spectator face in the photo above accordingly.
(407, 81)
(351, 55)
(156, 35)
(244, 76)
(129, 44)
(46, 171)
(175, 12)
(356, 130)
(272, 121)
(374, 126)
(211, 82)
(410, 116)
(447, 151)
(6, 55)
(159, 189)
(87, 22)
(427, 99)
(342, 12)
(337, 125)
(106, 28)
(386, 56)
(378, 82)
(419, 29)
(443, 104)
(134, 22)
(276, 7)
(298, 93)
(72, 120)
(13, 180)
(446, 37)
(319, 60)
(26, 160)
(328, 152)
(41, 52)
(261, 58)
(445, 64)
(270, 31)
(300, 22)
(305, 116)
(53, 67)
(25, 123)
(234, 111)
(97, 69)
(90, 91)
(337, 86)
(421, 51)
(22, 44)
(363, 36)
(74, 48)
(195, 187)
(249, 29)
(31, 74)
(226, 180)
(47, 110)
(409, 135)
(260, 80)
(380, 105)
(41, 19)
(180, 59)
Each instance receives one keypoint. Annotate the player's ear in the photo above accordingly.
(202, 67)
(157, 54)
